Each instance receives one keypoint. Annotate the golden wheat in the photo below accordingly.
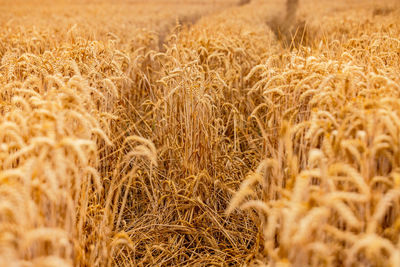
(199, 134)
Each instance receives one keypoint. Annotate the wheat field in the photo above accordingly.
(199, 133)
